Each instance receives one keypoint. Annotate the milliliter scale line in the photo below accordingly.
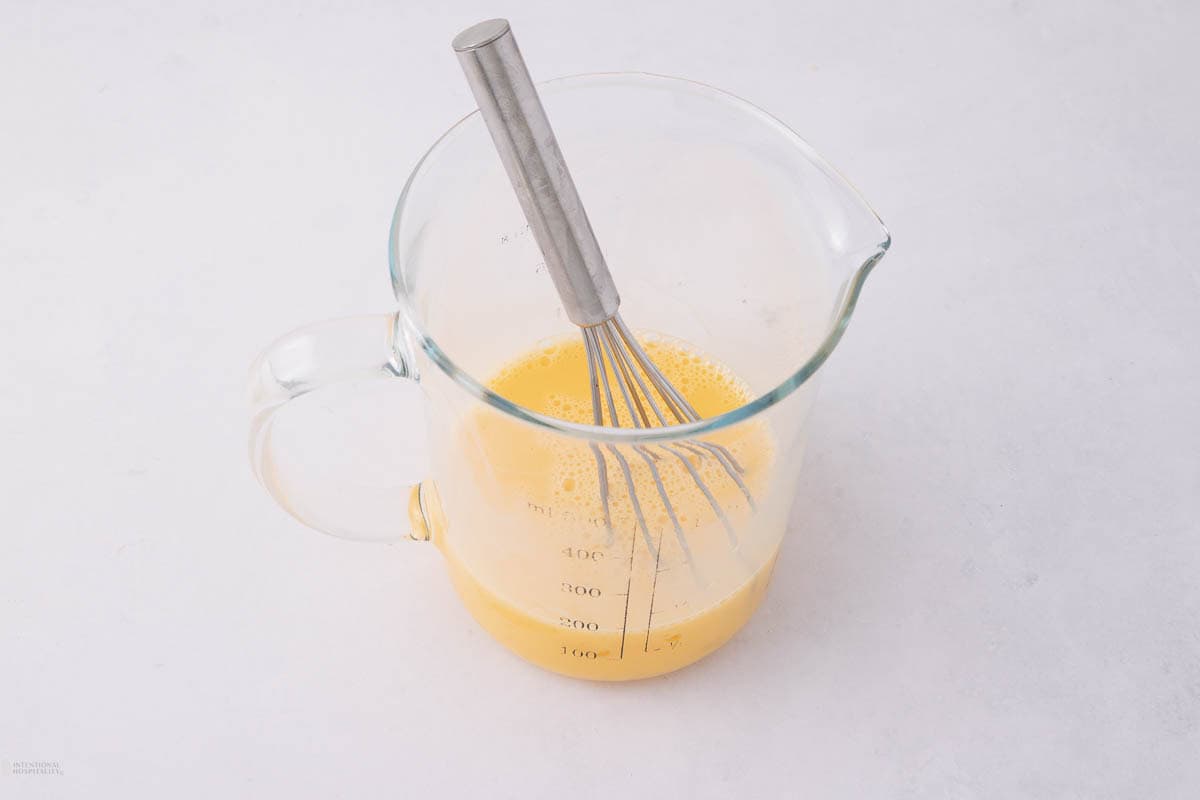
(653, 590)
(628, 590)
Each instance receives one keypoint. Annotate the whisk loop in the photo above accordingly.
(612, 350)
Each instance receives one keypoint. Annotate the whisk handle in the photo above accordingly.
(517, 122)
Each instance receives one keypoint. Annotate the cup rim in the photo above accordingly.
(667, 433)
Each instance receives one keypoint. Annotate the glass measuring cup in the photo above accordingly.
(724, 231)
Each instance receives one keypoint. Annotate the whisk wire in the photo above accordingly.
(632, 400)
(614, 356)
(628, 359)
(601, 464)
(598, 374)
(708, 495)
(626, 376)
(681, 408)
(666, 501)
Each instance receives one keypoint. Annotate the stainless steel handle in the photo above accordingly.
(514, 115)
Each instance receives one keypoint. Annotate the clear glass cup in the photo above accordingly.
(723, 229)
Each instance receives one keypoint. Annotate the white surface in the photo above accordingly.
(991, 588)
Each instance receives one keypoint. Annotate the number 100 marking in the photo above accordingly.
(574, 651)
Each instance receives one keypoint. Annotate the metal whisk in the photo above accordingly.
(510, 106)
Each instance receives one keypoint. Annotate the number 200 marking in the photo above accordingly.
(578, 624)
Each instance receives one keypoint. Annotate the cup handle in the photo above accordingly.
(336, 433)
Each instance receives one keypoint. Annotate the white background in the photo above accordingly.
(991, 586)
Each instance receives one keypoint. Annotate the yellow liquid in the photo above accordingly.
(540, 570)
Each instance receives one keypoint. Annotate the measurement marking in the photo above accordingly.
(653, 589)
(628, 590)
